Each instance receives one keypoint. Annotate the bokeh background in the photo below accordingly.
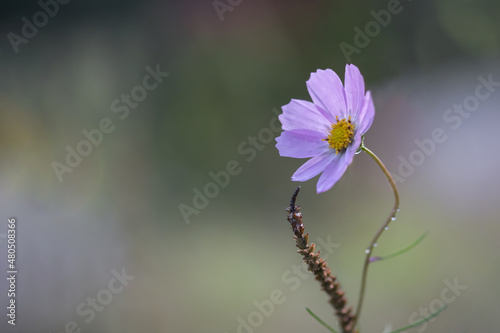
(229, 68)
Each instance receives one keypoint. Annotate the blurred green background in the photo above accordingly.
(229, 65)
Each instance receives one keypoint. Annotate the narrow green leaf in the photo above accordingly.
(321, 321)
(397, 253)
(420, 322)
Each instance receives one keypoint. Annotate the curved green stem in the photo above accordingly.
(369, 250)
(402, 251)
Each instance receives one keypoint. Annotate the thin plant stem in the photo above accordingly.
(421, 321)
(369, 250)
(402, 251)
(321, 321)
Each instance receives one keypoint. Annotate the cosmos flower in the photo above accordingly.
(329, 130)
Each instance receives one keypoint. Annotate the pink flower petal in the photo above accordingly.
(354, 90)
(353, 147)
(326, 91)
(303, 115)
(334, 171)
(301, 143)
(314, 166)
(366, 115)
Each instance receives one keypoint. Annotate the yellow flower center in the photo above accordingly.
(341, 134)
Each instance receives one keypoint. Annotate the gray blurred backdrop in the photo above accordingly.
(100, 158)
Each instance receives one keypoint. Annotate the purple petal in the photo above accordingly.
(314, 166)
(301, 143)
(327, 92)
(354, 90)
(334, 171)
(353, 147)
(366, 115)
(303, 115)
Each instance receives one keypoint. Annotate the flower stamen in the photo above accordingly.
(341, 134)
